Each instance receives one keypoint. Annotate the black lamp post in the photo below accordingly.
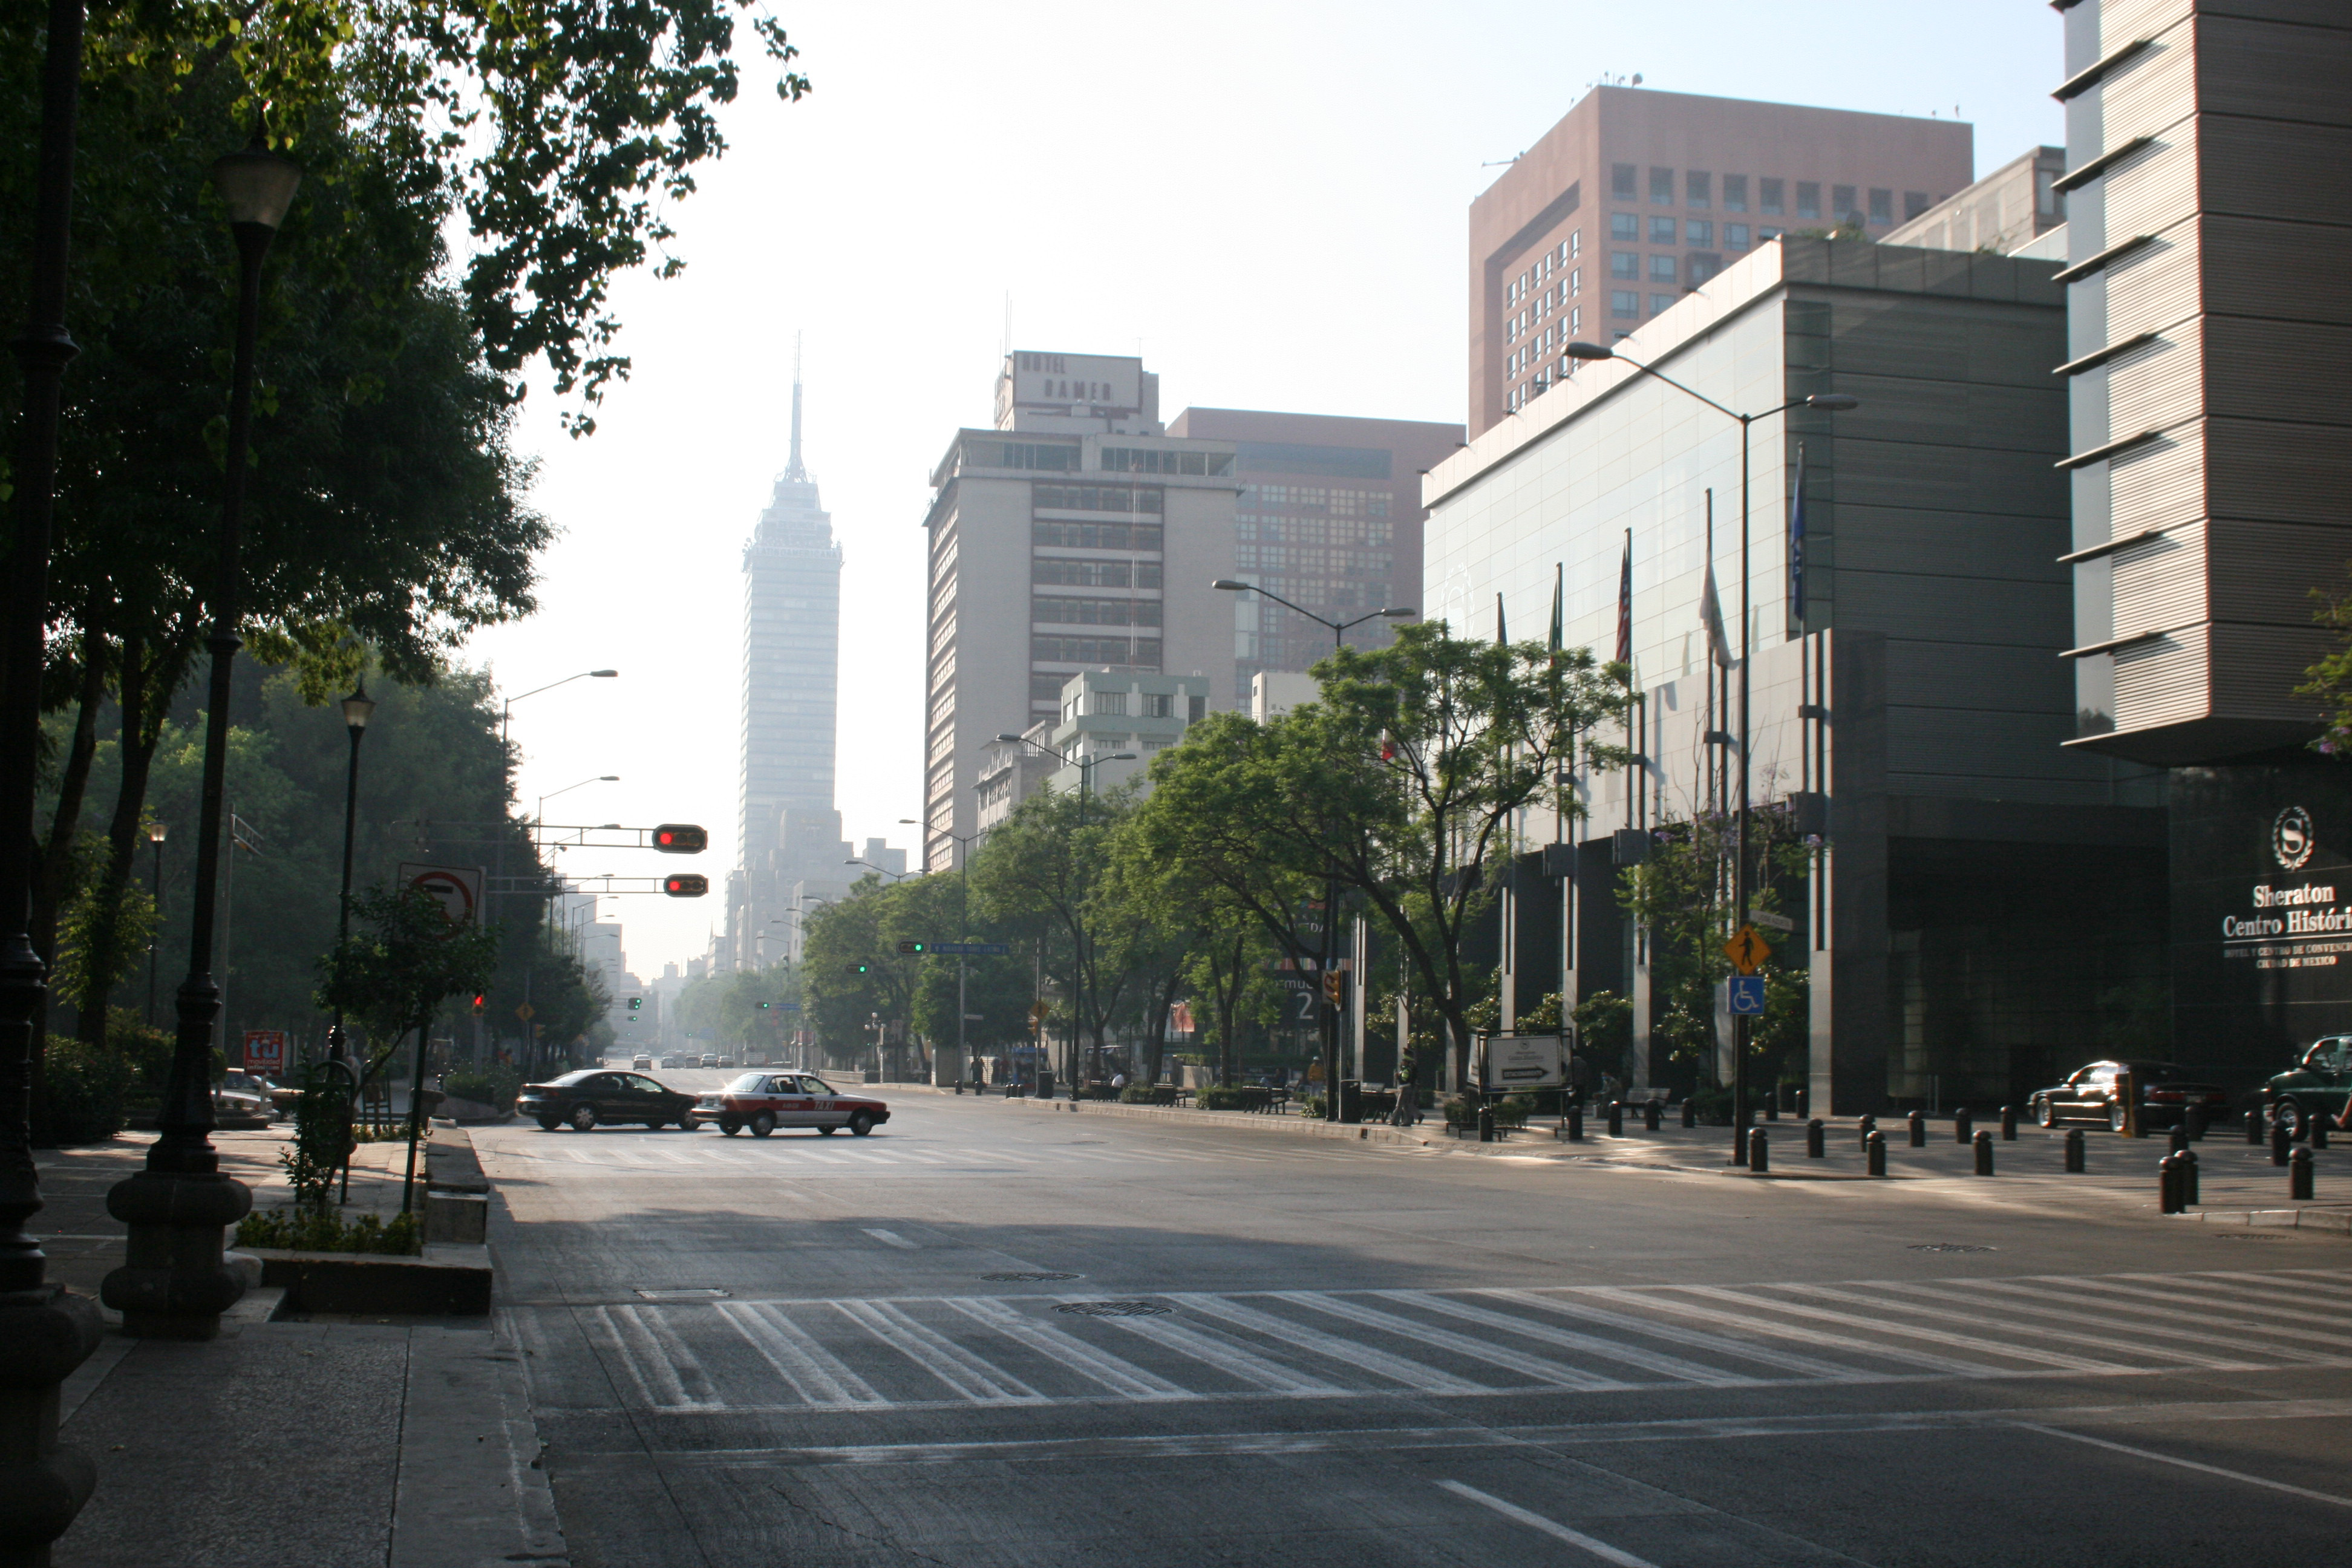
(156, 833)
(174, 1284)
(1330, 957)
(1827, 403)
(357, 709)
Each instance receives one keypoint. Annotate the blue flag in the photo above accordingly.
(1797, 549)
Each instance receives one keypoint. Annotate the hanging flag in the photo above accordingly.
(1558, 604)
(1710, 611)
(1502, 634)
(1625, 604)
(1797, 549)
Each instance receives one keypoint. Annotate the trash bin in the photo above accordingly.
(1352, 1100)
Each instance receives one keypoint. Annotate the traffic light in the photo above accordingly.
(686, 887)
(765, 1006)
(860, 968)
(1335, 987)
(681, 839)
(912, 947)
(635, 1003)
(480, 1002)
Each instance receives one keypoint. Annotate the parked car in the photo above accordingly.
(2089, 1095)
(242, 1099)
(710, 1059)
(764, 1101)
(2318, 1085)
(593, 1096)
(676, 1060)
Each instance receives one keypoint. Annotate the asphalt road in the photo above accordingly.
(988, 1334)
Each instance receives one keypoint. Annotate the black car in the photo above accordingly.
(2089, 1095)
(595, 1095)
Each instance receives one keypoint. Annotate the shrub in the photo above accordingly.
(1236, 1097)
(1713, 1106)
(86, 1092)
(1149, 1094)
(297, 1230)
(1311, 1106)
(1094, 1092)
(495, 1085)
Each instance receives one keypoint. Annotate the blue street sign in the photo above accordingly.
(973, 949)
(788, 1007)
(1747, 994)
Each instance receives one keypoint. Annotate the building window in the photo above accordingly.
(1575, 281)
(1662, 231)
(1575, 243)
(1735, 237)
(1661, 187)
(1624, 302)
(1660, 301)
(1625, 225)
(1764, 234)
(1620, 181)
(1809, 199)
(1698, 189)
(1576, 321)
(1882, 206)
(1110, 702)
(1698, 231)
(1768, 196)
(1843, 204)
(1913, 204)
(1734, 193)
(1662, 268)
(1703, 265)
(1624, 264)
(1159, 705)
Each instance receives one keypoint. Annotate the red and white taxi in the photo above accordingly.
(763, 1101)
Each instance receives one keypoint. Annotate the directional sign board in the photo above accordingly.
(459, 889)
(1746, 950)
(1748, 994)
(1523, 1061)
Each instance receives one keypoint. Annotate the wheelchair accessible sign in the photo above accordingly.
(1748, 994)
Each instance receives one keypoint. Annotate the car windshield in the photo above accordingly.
(816, 1086)
(749, 1083)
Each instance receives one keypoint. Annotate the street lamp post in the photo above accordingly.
(357, 709)
(963, 843)
(538, 815)
(155, 835)
(173, 1284)
(1086, 766)
(1330, 955)
(1827, 403)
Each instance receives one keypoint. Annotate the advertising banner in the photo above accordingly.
(264, 1052)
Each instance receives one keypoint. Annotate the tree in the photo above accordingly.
(405, 959)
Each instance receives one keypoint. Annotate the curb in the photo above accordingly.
(2337, 1221)
(1297, 1126)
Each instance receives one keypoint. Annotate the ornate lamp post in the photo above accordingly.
(357, 709)
(155, 835)
(173, 1284)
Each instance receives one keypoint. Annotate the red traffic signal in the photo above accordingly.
(681, 839)
(686, 887)
(481, 1000)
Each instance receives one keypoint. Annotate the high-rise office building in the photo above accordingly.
(1074, 535)
(791, 638)
(1636, 197)
(1329, 517)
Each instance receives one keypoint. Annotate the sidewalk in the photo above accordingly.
(296, 1444)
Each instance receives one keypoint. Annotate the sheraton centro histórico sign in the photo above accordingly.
(2290, 925)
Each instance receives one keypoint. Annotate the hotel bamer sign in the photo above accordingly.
(2291, 921)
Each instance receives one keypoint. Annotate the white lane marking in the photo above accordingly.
(1347, 1353)
(664, 1370)
(2065, 1335)
(978, 1381)
(1568, 1339)
(1653, 1328)
(1069, 1350)
(1575, 1538)
(2106, 1317)
(1217, 1351)
(888, 1237)
(2213, 1296)
(1542, 1369)
(2189, 1464)
(811, 1370)
(1881, 1326)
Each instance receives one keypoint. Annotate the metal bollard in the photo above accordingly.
(2167, 1185)
(1984, 1154)
(1690, 1114)
(1868, 1125)
(1576, 1123)
(1616, 1119)
(1759, 1150)
(2319, 1130)
(2253, 1127)
(1651, 1112)
(2009, 1124)
(2188, 1158)
(1964, 1126)
(2074, 1151)
(1772, 1104)
(1804, 1100)
(2280, 1143)
(2192, 1121)
(1918, 1121)
(2298, 1176)
(1874, 1149)
(1816, 1140)
(1485, 1124)
(2179, 1139)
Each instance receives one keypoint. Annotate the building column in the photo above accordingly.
(1851, 1029)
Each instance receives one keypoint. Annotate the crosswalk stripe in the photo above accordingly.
(814, 1373)
(1219, 1352)
(2243, 1297)
(970, 1376)
(1119, 1377)
(1798, 1332)
(665, 1370)
(1555, 1374)
(1650, 1327)
(2185, 1297)
(1348, 1352)
(1566, 1339)
(1880, 1325)
(2072, 1333)
(2101, 1314)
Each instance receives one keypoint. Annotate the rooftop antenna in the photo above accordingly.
(793, 469)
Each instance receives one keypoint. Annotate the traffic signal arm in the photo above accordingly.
(681, 839)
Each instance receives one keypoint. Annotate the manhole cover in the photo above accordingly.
(681, 1293)
(1032, 1279)
(1948, 1246)
(1114, 1309)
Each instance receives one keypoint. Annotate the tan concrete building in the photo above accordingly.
(2004, 213)
(1636, 197)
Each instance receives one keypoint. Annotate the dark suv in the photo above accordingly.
(2317, 1086)
(597, 1095)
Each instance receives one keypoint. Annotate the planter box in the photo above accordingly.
(448, 1282)
(472, 1113)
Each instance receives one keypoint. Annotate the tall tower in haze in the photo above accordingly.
(792, 640)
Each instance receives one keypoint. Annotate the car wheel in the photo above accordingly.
(549, 1123)
(2045, 1113)
(860, 1124)
(2287, 1113)
(689, 1123)
(762, 1124)
(2114, 1119)
(730, 1127)
(584, 1118)
(825, 1132)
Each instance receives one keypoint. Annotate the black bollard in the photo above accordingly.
(1690, 1114)
(1918, 1121)
(2009, 1124)
(2298, 1176)
(2074, 1151)
(2192, 1120)
(2178, 1140)
(1816, 1140)
(2319, 1130)
(2280, 1143)
(1759, 1150)
(2253, 1127)
(1863, 1129)
(1576, 1123)
(2167, 1185)
(1804, 1100)
(1874, 1149)
(1616, 1119)
(1485, 1124)
(1651, 1112)
(1772, 1105)
(1964, 1126)
(1984, 1154)
(2188, 1158)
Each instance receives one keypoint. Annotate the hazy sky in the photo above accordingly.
(1267, 200)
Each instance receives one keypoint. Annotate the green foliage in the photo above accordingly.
(1149, 1094)
(1604, 1031)
(1235, 1096)
(88, 1085)
(325, 1230)
(103, 930)
(405, 959)
(2329, 683)
(496, 1085)
(322, 1137)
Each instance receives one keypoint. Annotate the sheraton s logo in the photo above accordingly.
(2292, 839)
